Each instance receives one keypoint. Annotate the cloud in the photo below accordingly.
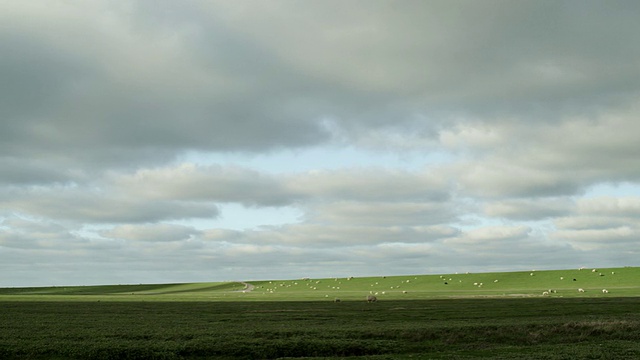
(208, 183)
(511, 113)
(382, 213)
(529, 209)
(610, 206)
(151, 232)
(324, 236)
(89, 205)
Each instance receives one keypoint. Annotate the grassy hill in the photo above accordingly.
(563, 283)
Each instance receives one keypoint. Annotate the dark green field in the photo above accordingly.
(416, 317)
(603, 328)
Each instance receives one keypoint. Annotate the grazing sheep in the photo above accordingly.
(545, 293)
(581, 290)
(336, 300)
(561, 278)
(605, 291)
(404, 291)
(371, 298)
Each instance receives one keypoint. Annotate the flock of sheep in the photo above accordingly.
(373, 295)
(580, 290)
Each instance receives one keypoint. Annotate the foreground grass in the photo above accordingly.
(523, 328)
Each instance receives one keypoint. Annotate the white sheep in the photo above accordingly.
(605, 291)
(545, 293)
(581, 290)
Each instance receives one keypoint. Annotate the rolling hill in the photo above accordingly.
(619, 282)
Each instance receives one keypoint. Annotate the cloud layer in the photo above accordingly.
(510, 114)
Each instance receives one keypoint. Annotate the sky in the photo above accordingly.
(156, 141)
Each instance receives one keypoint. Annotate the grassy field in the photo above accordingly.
(563, 283)
(507, 319)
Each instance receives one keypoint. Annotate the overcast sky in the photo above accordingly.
(186, 141)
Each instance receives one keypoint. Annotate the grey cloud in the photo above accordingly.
(491, 237)
(48, 237)
(105, 101)
(230, 78)
(622, 238)
(610, 206)
(16, 172)
(211, 183)
(85, 205)
(544, 160)
(253, 188)
(530, 209)
(582, 222)
(501, 178)
(372, 184)
(382, 214)
(151, 232)
(532, 102)
(346, 235)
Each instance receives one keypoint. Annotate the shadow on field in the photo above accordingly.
(549, 328)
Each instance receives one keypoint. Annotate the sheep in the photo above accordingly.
(336, 300)
(605, 291)
(581, 290)
(371, 298)
(404, 291)
(545, 293)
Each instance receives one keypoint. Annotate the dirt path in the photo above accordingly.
(247, 287)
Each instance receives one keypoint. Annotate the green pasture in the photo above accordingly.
(558, 283)
(452, 316)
